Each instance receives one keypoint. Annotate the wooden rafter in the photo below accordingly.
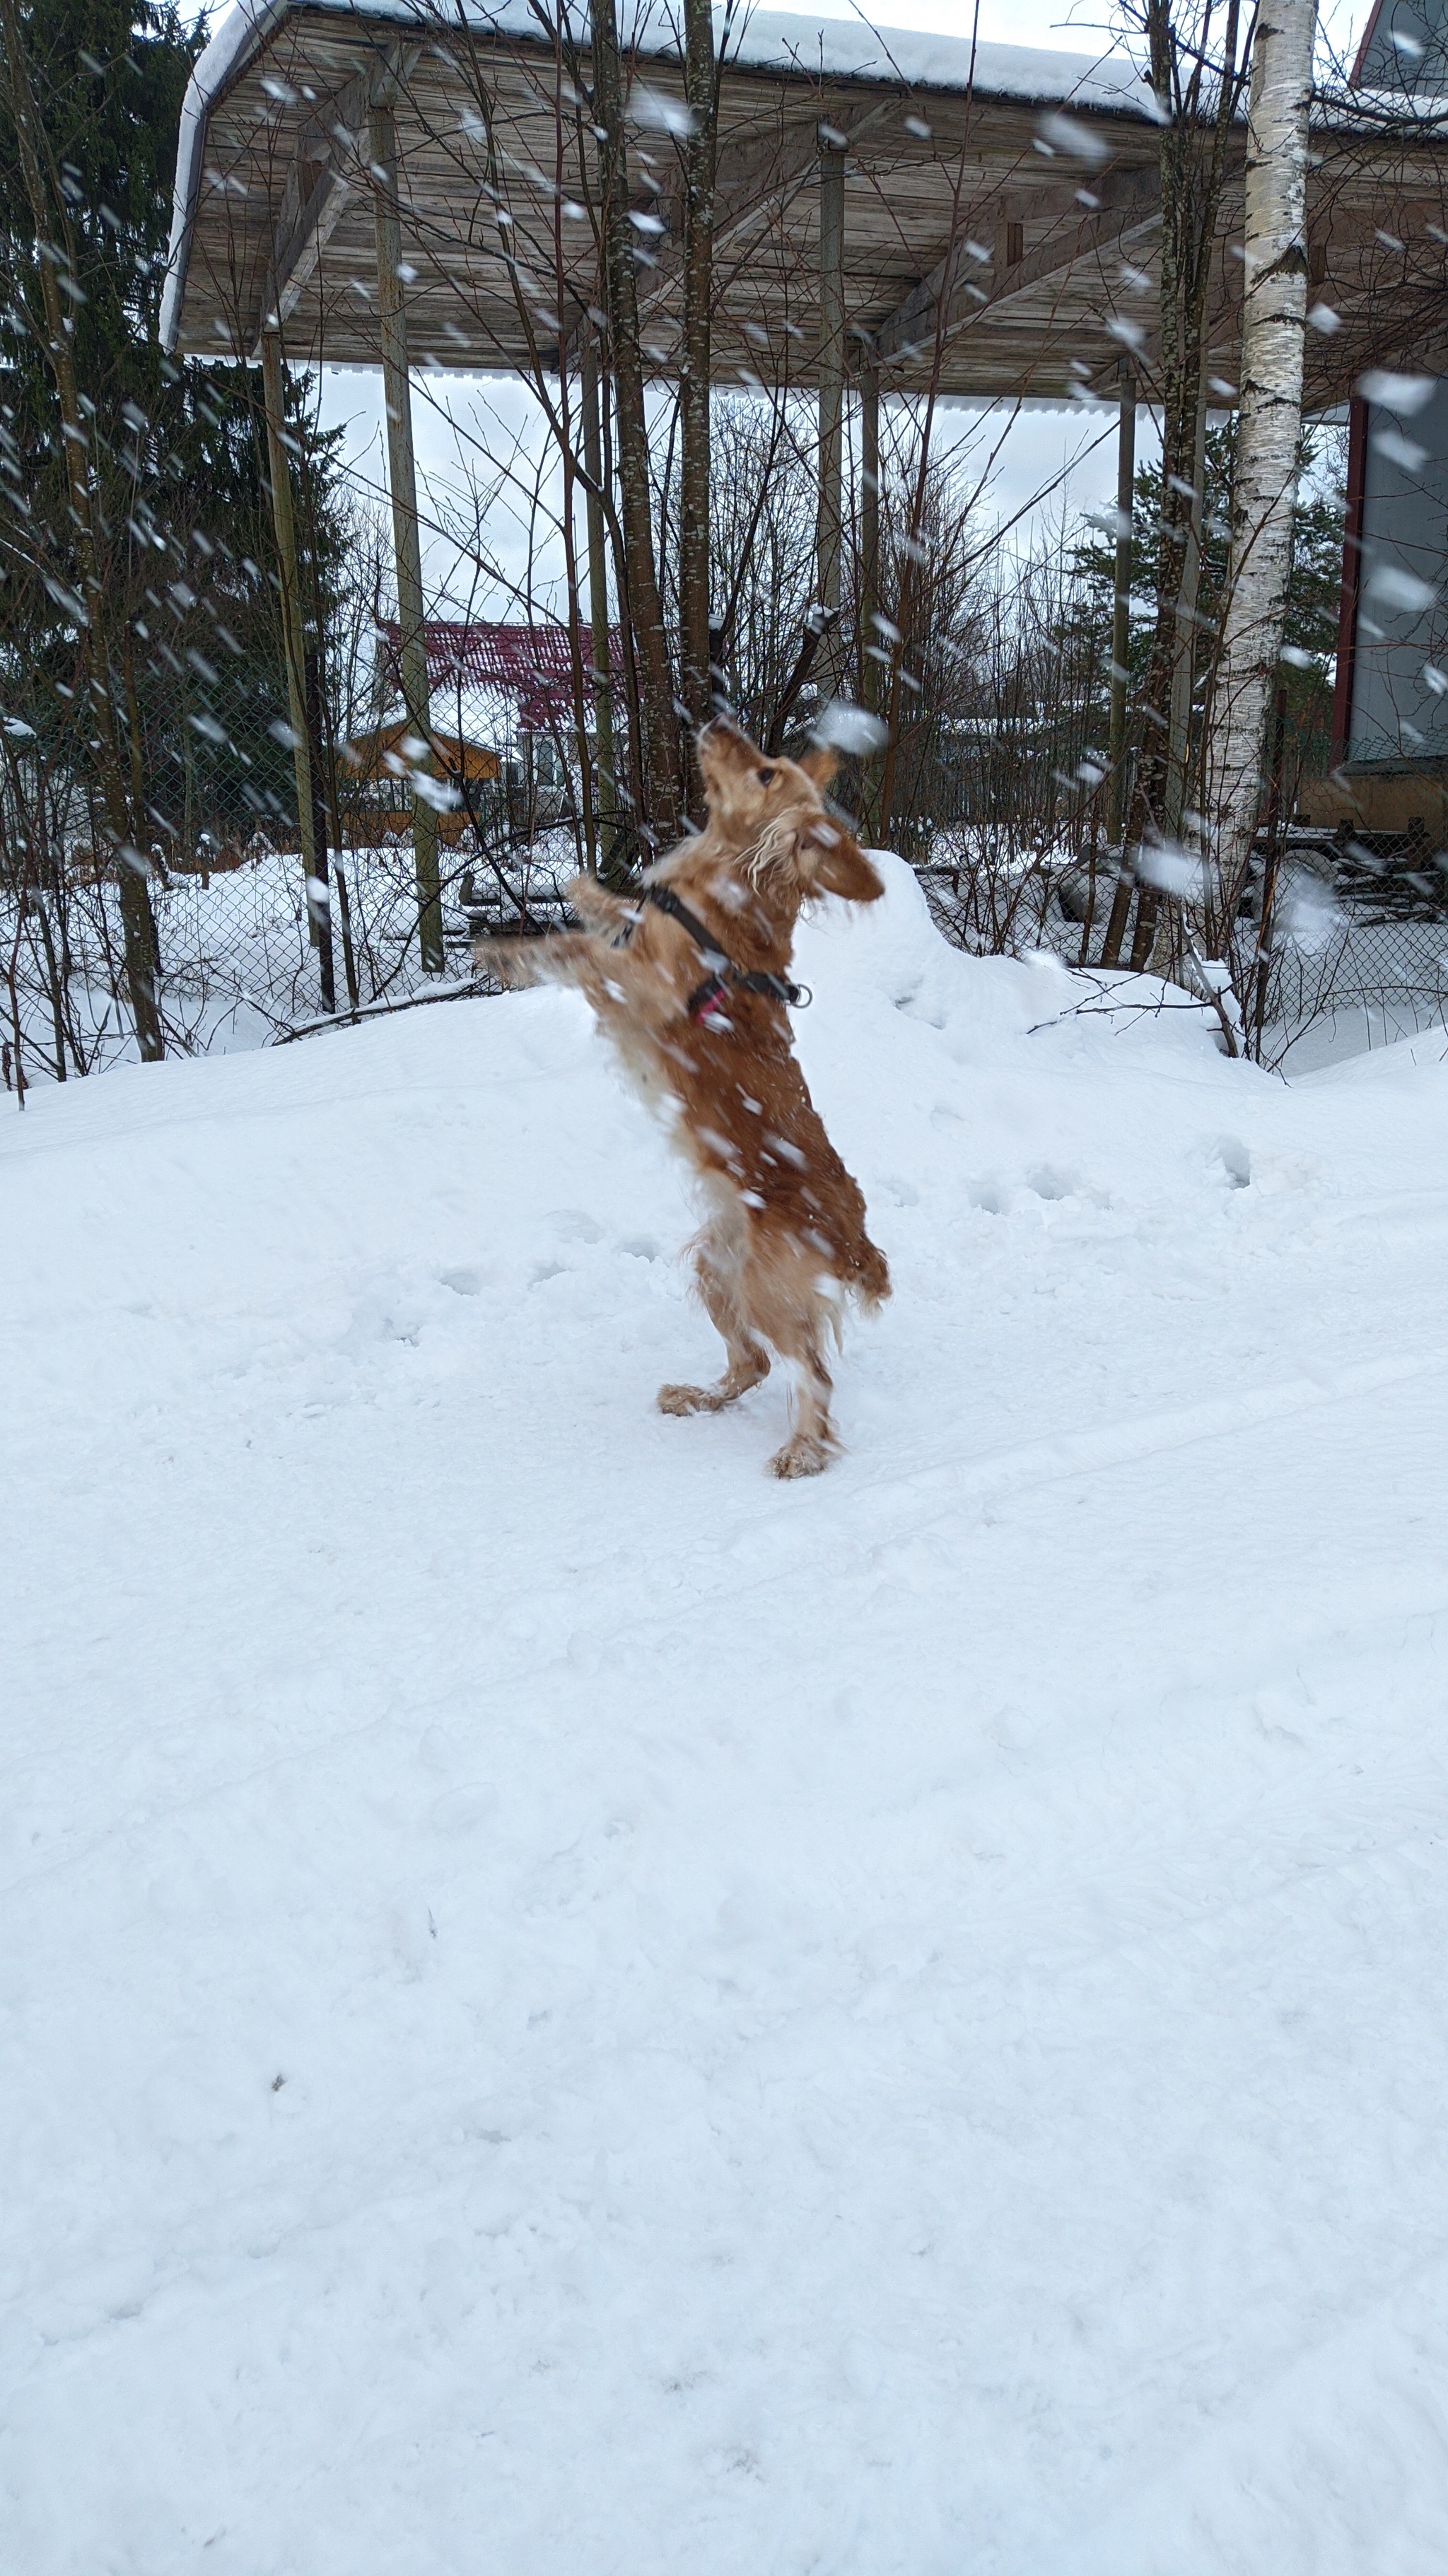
(319, 176)
(1122, 207)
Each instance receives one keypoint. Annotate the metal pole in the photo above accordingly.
(831, 382)
(294, 648)
(598, 611)
(402, 475)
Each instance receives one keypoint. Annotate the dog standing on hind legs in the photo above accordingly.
(691, 983)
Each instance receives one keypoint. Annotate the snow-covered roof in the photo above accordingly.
(770, 41)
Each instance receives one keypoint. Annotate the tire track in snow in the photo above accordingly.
(1123, 1444)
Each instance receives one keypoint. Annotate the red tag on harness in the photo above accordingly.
(710, 999)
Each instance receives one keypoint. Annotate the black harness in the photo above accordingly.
(722, 970)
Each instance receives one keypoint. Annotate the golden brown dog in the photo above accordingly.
(691, 983)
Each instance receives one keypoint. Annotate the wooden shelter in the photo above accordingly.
(413, 182)
(999, 203)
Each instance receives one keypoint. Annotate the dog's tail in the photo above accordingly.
(869, 1280)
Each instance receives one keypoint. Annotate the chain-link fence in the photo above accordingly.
(1358, 951)
(243, 949)
(1360, 942)
(1363, 959)
(237, 962)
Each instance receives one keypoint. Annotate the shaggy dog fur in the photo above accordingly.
(784, 1240)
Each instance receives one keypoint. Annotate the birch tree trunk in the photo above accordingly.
(1269, 436)
(1199, 98)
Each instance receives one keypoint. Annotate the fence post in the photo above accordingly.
(315, 745)
(402, 476)
(1120, 665)
(294, 649)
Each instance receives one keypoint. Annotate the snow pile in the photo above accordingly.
(569, 2008)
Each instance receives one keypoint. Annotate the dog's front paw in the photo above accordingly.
(510, 962)
(687, 1399)
(804, 1455)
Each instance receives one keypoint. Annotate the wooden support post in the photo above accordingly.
(402, 476)
(598, 615)
(1179, 749)
(1145, 950)
(656, 743)
(1270, 868)
(869, 637)
(1352, 578)
(695, 371)
(1121, 604)
(294, 649)
(869, 537)
(831, 367)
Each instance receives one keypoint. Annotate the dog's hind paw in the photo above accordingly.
(689, 1399)
(804, 1455)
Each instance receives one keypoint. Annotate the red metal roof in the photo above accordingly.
(532, 665)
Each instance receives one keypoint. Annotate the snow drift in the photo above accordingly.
(567, 2007)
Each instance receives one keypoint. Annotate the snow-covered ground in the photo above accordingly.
(570, 2009)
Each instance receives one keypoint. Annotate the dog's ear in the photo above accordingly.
(819, 763)
(837, 864)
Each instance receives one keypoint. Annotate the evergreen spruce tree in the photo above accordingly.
(1310, 634)
(139, 639)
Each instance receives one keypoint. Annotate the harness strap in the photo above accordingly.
(722, 969)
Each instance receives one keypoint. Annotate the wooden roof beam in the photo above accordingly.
(1118, 209)
(313, 196)
(324, 166)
